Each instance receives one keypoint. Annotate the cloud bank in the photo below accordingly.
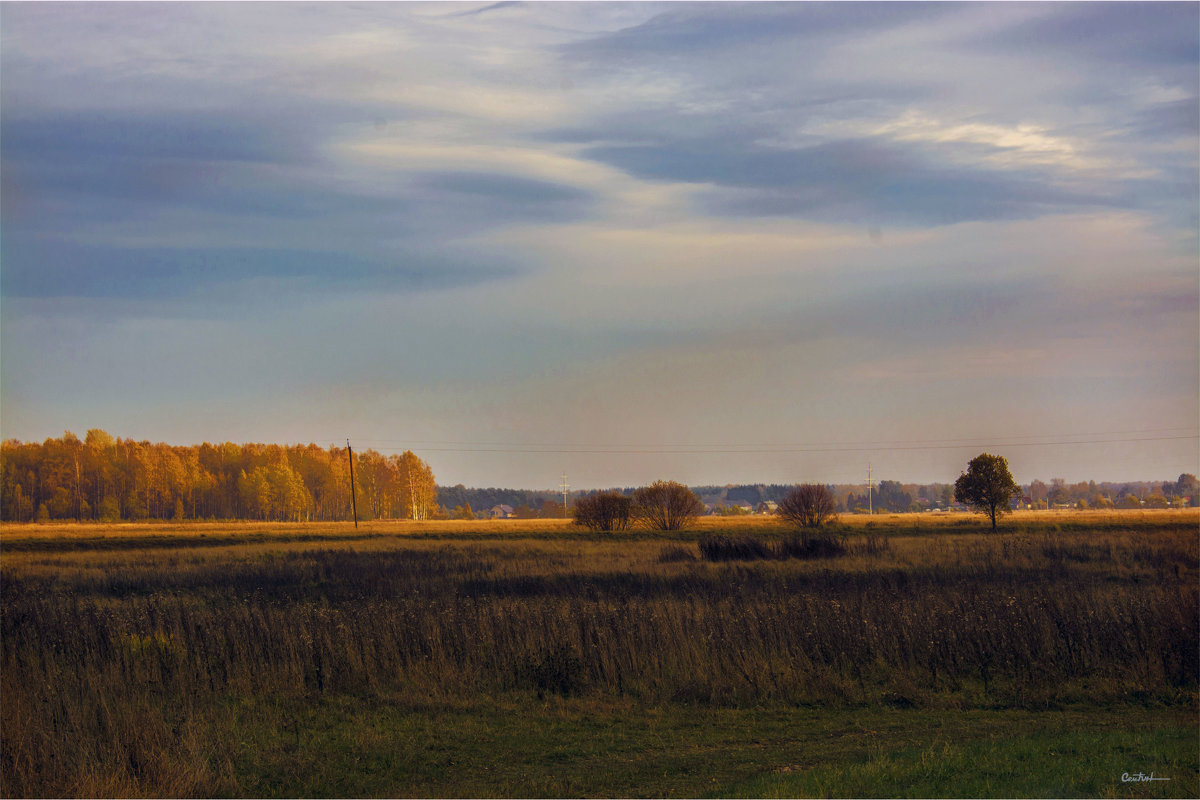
(672, 224)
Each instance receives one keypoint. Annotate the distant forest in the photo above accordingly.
(899, 498)
(110, 479)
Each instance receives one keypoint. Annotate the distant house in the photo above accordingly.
(501, 512)
(767, 507)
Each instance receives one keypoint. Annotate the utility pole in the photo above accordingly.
(565, 487)
(353, 499)
(412, 498)
(78, 506)
(870, 492)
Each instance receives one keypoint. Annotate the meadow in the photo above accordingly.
(531, 658)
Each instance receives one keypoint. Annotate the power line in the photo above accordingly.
(885, 444)
(785, 449)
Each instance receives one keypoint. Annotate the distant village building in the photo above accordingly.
(501, 512)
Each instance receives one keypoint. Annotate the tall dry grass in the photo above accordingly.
(116, 664)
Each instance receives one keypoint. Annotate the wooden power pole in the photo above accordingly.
(353, 500)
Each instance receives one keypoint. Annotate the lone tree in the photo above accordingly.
(987, 486)
(666, 505)
(809, 506)
(605, 511)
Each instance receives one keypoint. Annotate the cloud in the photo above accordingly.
(490, 7)
(38, 268)
(701, 28)
(164, 206)
(610, 193)
(1144, 34)
(871, 136)
(505, 197)
(90, 135)
(1176, 119)
(859, 181)
(1003, 145)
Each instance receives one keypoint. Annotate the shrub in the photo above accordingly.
(667, 505)
(809, 506)
(605, 511)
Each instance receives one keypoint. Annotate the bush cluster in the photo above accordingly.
(663, 506)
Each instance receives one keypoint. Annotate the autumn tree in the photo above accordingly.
(19, 484)
(666, 505)
(59, 473)
(98, 459)
(417, 487)
(987, 486)
(809, 506)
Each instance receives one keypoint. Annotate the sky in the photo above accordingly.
(714, 243)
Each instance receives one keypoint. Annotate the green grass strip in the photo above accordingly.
(359, 747)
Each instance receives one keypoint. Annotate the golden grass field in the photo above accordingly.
(930, 521)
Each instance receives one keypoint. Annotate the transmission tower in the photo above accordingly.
(565, 488)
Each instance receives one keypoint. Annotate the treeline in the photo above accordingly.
(526, 503)
(888, 496)
(895, 497)
(1089, 494)
(105, 479)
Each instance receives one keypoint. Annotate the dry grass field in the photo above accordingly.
(926, 522)
(297, 659)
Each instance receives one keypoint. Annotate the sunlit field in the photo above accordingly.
(523, 528)
(532, 658)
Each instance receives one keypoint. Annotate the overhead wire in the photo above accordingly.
(758, 449)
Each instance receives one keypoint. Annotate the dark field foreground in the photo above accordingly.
(528, 659)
